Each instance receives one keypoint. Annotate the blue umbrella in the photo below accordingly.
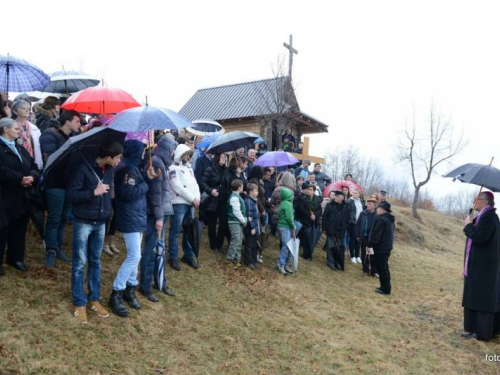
(18, 75)
(145, 118)
(159, 274)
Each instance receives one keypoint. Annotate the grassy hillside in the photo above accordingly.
(244, 322)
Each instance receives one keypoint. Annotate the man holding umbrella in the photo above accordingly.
(481, 298)
(88, 192)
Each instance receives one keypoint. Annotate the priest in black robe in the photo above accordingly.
(481, 298)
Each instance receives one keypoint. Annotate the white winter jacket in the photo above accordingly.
(183, 184)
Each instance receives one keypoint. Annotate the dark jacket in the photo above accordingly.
(159, 197)
(51, 140)
(233, 176)
(303, 210)
(382, 236)
(43, 117)
(215, 177)
(482, 284)
(365, 223)
(261, 200)
(202, 163)
(335, 219)
(130, 191)
(88, 208)
(321, 179)
(269, 186)
(252, 215)
(12, 170)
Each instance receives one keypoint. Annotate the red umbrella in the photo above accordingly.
(339, 185)
(100, 100)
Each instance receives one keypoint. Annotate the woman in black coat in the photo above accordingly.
(214, 189)
(18, 172)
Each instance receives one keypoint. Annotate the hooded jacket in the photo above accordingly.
(183, 184)
(382, 235)
(288, 182)
(286, 209)
(43, 117)
(130, 190)
(321, 179)
(159, 196)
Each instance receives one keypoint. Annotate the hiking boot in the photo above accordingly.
(60, 254)
(96, 307)
(229, 264)
(288, 269)
(150, 296)
(50, 258)
(112, 246)
(191, 262)
(80, 314)
(237, 265)
(116, 303)
(174, 264)
(106, 249)
(130, 297)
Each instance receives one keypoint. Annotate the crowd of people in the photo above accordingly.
(240, 203)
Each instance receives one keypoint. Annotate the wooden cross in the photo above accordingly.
(305, 154)
(292, 50)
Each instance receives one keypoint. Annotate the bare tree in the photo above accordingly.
(423, 151)
(456, 205)
(278, 101)
(367, 172)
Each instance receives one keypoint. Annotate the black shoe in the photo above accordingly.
(168, 292)
(191, 262)
(150, 296)
(174, 264)
(469, 335)
(116, 303)
(380, 291)
(2, 272)
(333, 268)
(130, 297)
(19, 265)
(50, 258)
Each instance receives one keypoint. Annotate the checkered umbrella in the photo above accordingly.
(17, 75)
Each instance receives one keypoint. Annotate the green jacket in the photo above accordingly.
(285, 212)
(235, 215)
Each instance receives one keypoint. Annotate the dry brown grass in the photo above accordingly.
(243, 322)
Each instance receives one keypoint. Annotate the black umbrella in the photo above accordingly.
(231, 142)
(36, 208)
(313, 237)
(477, 174)
(192, 229)
(78, 149)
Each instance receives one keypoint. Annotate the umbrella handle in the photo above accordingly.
(158, 235)
(480, 191)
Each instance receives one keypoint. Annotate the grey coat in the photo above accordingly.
(159, 195)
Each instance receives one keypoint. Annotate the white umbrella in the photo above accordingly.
(293, 245)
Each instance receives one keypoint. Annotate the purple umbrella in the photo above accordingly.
(276, 159)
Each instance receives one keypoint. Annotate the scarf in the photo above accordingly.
(469, 240)
(25, 134)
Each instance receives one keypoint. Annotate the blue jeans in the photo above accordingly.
(127, 274)
(88, 240)
(285, 255)
(181, 211)
(149, 267)
(58, 211)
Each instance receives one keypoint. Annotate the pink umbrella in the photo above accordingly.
(339, 185)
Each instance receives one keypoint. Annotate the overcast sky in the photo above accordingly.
(362, 65)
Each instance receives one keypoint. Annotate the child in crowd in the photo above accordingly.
(237, 220)
(286, 226)
(252, 229)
